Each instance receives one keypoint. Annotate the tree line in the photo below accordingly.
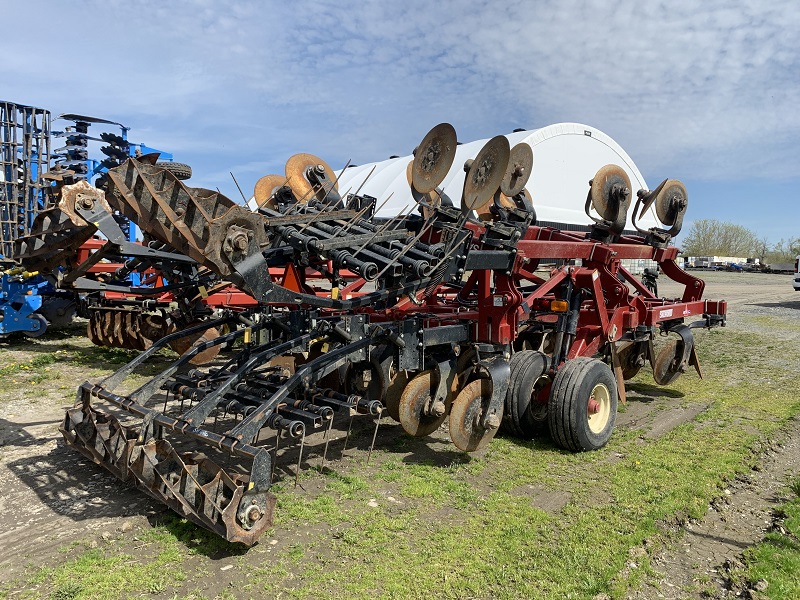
(709, 237)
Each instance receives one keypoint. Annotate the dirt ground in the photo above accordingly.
(712, 546)
(50, 496)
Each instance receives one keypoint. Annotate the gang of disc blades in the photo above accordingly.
(296, 169)
(603, 184)
(486, 173)
(520, 166)
(433, 158)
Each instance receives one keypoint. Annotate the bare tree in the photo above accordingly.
(784, 251)
(709, 237)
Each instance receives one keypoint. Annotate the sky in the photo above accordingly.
(708, 93)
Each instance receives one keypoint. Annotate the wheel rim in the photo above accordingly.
(599, 408)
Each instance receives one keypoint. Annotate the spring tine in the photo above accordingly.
(238, 186)
(372, 170)
(347, 437)
(389, 197)
(406, 248)
(325, 449)
(317, 215)
(374, 435)
(166, 399)
(382, 228)
(353, 221)
(300, 457)
(275, 459)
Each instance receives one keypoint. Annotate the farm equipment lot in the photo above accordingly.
(522, 519)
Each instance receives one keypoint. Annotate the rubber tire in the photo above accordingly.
(42, 326)
(182, 171)
(526, 368)
(569, 401)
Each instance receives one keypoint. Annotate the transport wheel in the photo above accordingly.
(525, 414)
(583, 405)
(419, 414)
(397, 384)
(181, 171)
(42, 326)
(466, 417)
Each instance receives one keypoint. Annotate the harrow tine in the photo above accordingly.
(300, 457)
(380, 229)
(406, 248)
(363, 183)
(327, 439)
(347, 437)
(353, 221)
(374, 435)
(275, 459)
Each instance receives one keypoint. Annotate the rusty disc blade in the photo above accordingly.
(93, 330)
(152, 327)
(296, 169)
(486, 173)
(393, 392)
(520, 167)
(484, 212)
(107, 328)
(466, 415)
(413, 402)
(664, 371)
(186, 343)
(602, 185)
(672, 198)
(265, 189)
(650, 197)
(433, 158)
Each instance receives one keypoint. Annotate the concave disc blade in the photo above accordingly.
(520, 167)
(486, 173)
(433, 158)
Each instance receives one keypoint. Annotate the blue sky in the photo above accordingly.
(708, 93)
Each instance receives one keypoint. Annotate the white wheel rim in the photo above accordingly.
(599, 408)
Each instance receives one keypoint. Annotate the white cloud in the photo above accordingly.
(693, 90)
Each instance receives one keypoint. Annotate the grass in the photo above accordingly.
(33, 371)
(776, 560)
(443, 524)
(108, 573)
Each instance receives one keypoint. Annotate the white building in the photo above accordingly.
(565, 157)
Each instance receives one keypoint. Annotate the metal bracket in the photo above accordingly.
(447, 374)
(498, 370)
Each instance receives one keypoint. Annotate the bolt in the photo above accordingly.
(238, 241)
(438, 408)
(253, 514)
(492, 421)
